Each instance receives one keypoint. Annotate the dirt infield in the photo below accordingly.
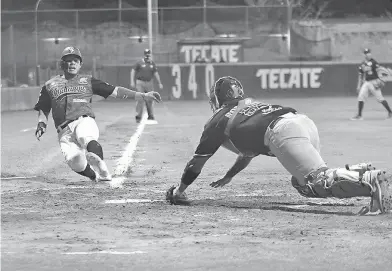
(55, 220)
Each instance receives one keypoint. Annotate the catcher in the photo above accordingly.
(69, 97)
(250, 128)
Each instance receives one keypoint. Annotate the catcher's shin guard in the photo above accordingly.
(338, 183)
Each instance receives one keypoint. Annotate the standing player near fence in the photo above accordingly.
(369, 82)
(145, 71)
(69, 98)
(250, 128)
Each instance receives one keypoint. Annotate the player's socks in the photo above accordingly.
(88, 172)
(386, 105)
(360, 108)
(94, 147)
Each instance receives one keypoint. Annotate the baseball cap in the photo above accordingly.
(70, 50)
(366, 51)
(147, 51)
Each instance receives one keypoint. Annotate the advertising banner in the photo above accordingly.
(193, 81)
(211, 51)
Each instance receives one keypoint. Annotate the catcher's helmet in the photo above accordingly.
(70, 50)
(225, 89)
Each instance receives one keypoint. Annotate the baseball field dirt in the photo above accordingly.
(53, 219)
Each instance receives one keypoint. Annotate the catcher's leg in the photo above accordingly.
(295, 142)
(343, 183)
(74, 155)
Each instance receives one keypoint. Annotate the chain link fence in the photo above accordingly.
(119, 36)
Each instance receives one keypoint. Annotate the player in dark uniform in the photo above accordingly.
(145, 71)
(250, 128)
(69, 98)
(369, 82)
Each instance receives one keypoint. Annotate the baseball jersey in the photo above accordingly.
(70, 99)
(369, 69)
(247, 128)
(145, 70)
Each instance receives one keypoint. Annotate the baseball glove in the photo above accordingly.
(175, 199)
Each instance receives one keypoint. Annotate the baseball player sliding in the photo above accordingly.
(369, 82)
(69, 97)
(145, 71)
(250, 128)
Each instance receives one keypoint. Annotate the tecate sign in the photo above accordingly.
(289, 78)
(210, 51)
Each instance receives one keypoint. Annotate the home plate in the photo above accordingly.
(120, 201)
(117, 182)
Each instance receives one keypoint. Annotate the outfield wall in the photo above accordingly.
(292, 79)
(193, 81)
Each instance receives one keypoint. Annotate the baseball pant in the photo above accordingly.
(73, 141)
(144, 86)
(295, 142)
(373, 87)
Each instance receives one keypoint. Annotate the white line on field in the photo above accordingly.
(50, 189)
(105, 252)
(120, 201)
(126, 159)
(18, 177)
(28, 129)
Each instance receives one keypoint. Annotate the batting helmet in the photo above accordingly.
(225, 89)
(70, 50)
(366, 51)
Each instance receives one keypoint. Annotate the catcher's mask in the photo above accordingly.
(68, 63)
(225, 89)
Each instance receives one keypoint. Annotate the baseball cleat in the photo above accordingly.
(389, 115)
(99, 166)
(357, 117)
(381, 193)
(175, 199)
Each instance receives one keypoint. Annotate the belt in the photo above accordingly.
(65, 124)
(275, 121)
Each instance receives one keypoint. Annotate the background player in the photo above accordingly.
(145, 71)
(69, 97)
(369, 82)
(251, 128)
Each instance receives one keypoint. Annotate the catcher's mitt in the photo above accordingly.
(175, 199)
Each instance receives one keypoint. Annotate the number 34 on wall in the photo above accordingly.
(193, 81)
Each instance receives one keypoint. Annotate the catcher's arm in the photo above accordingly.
(241, 163)
(210, 141)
